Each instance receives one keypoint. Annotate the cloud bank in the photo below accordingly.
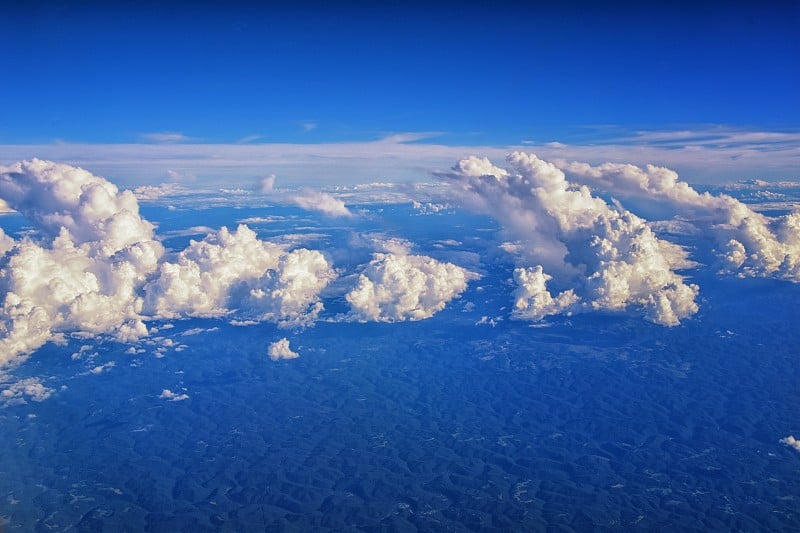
(83, 274)
(605, 257)
(748, 243)
(94, 267)
(705, 155)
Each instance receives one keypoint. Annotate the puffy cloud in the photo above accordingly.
(397, 287)
(230, 271)
(267, 184)
(533, 300)
(314, 200)
(280, 350)
(90, 208)
(99, 369)
(94, 267)
(608, 256)
(306, 198)
(31, 388)
(85, 272)
(791, 442)
(749, 243)
(154, 192)
(167, 394)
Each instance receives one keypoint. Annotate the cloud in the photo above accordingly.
(314, 200)
(748, 243)
(165, 137)
(99, 369)
(167, 394)
(83, 274)
(532, 299)
(229, 271)
(267, 184)
(154, 192)
(306, 198)
(765, 155)
(398, 287)
(92, 209)
(249, 138)
(94, 267)
(791, 442)
(309, 126)
(280, 350)
(31, 388)
(606, 258)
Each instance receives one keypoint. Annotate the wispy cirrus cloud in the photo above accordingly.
(308, 125)
(164, 137)
(720, 138)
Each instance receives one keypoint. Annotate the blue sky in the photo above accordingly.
(462, 75)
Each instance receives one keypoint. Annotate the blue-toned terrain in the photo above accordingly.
(466, 421)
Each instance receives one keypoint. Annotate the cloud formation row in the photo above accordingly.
(94, 266)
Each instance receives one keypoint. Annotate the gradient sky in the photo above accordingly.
(472, 74)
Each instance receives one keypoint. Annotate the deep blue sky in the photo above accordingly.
(479, 74)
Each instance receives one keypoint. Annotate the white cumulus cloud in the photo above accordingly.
(322, 202)
(397, 287)
(749, 243)
(603, 256)
(305, 198)
(84, 271)
(791, 442)
(280, 350)
(167, 394)
(31, 388)
(235, 271)
(93, 266)
(533, 300)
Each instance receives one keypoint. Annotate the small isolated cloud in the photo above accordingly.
(791, 442)
(249, 138)
(165, 137)
(99, 369)
(306, 198)
(179, 175)
(398, 287)
(280, 350)
(409, 137)
(30, 388)
(322, 202)
(380, 242)
(267, 184)
(309, 125)
(154, 192)
(167, 394)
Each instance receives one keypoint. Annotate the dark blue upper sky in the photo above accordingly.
(478, 74)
